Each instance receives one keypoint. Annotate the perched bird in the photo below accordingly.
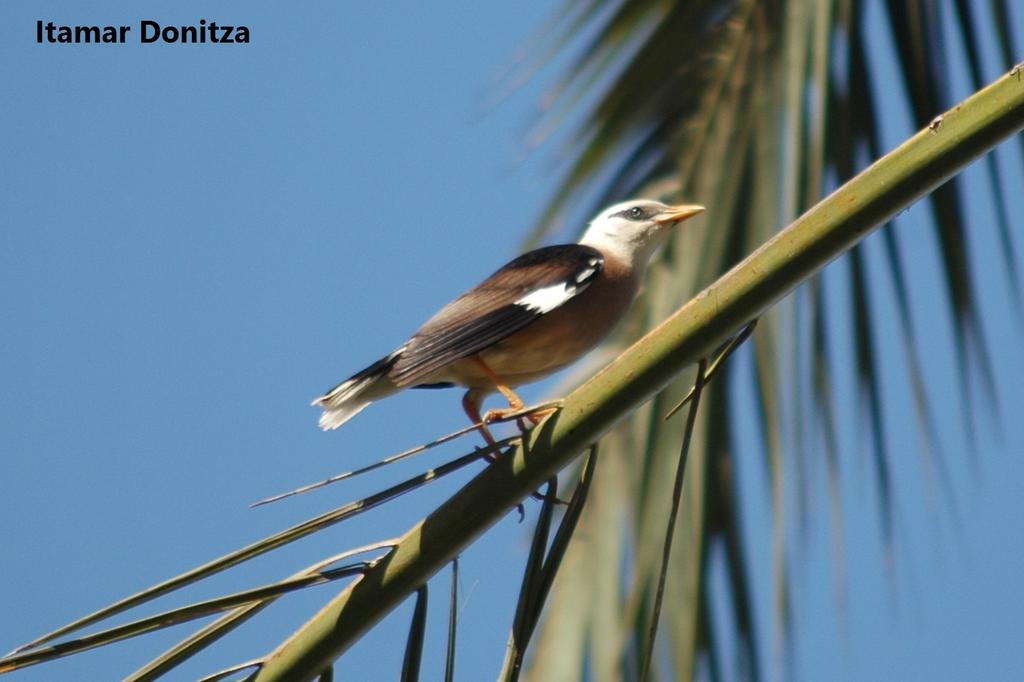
(532, 317)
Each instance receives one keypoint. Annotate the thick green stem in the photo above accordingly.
(820, 235)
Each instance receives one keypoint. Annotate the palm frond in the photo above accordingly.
(757, 109)
(642, 372)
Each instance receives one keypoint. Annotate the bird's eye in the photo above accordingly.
(636, 213)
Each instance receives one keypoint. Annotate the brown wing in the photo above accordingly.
(507, 301)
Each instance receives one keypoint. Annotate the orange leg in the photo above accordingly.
(514, 402)
(471, 405)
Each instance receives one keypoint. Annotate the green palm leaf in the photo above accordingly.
(622, 389)
(756, 109)
(777, 104)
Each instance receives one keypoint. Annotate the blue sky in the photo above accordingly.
(197, 240)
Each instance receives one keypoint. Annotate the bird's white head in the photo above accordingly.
(633, 229)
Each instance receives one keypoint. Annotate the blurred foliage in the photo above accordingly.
(755, 109)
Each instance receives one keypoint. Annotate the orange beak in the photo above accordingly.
(677, 214)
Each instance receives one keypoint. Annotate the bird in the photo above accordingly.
(532, 317)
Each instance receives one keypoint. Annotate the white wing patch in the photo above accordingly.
(588, 272)
(548, 298)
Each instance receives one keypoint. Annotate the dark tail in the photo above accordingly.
(351, 396)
